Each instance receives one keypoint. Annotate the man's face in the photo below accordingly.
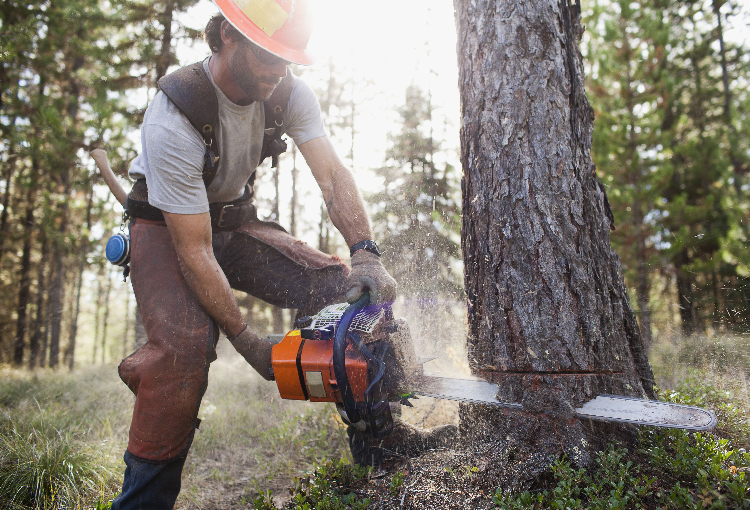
(256, 79)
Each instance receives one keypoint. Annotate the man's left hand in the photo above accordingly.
(369, 275)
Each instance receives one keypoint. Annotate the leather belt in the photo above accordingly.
(225, 216)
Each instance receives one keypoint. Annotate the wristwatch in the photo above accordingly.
(367, 245)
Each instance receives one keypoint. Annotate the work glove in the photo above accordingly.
(369, 275)
(256, 351)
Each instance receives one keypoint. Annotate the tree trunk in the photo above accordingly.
(105, 320)
(97, 313)
(164, 60)
(35, 344)
(57, 289)
(736, 160)
(685, 298)
(10, 170)
(549, 315)
(81, 266)
(642, 288)
(25, 289)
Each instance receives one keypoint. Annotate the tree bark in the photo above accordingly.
(164, 60)
(736, 160)
(35, 343)
(549, 316)
(97, 313)
(24, 293)
(81, 266)
(57, 289)
(105, 320)
(11, 168)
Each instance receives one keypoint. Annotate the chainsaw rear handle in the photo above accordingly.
(339, 359)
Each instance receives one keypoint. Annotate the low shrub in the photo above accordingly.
(669, 469)
(328, 488)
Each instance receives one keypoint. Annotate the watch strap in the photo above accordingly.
(367, 245)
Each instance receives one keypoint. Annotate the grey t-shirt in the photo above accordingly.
(172, 152)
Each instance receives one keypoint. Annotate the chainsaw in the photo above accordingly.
(362, 359)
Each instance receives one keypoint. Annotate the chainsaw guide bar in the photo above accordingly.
(463, 390)
(363, 359)
(647, 412)
(615, 408)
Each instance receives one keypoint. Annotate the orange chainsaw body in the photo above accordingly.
(303, 369)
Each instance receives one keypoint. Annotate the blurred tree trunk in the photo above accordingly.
(24, 292)
(164, 59)
(9, 171)
(97, 311)
(41, 289)
(57, 289)
(84, 248)
(738, 165)
(105, 320)
(549, 316)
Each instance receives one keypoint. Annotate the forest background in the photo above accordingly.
(668, 81)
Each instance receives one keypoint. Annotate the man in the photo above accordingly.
(186, 255)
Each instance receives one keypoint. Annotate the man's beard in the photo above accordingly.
(248, 81)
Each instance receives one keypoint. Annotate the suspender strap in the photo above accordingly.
(275, 106)
(190, 89)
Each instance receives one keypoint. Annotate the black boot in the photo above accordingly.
(149, 486)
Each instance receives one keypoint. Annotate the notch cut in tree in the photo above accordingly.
(549, 316)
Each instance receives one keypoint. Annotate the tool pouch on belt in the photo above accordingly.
(225, 216)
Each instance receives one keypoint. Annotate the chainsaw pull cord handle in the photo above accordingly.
(339, 359)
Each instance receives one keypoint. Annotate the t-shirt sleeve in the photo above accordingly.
(174, 154)
(303, 118)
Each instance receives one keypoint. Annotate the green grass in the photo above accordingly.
(44, 470)
(62, 437)
(58, 447)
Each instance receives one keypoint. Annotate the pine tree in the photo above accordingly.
(416, 213)
(627, 59)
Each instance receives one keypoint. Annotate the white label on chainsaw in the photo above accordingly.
(315, 386)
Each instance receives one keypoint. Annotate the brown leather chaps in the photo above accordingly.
(169, 374)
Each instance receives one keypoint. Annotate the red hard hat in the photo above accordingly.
(282, 27)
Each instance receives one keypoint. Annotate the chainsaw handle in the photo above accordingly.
(339, 358)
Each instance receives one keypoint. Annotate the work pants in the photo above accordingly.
(169, 374)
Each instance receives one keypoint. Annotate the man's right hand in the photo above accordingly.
(256, 351)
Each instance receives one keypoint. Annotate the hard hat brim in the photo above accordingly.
(255, 34)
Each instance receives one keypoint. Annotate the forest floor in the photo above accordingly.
(255, 450)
